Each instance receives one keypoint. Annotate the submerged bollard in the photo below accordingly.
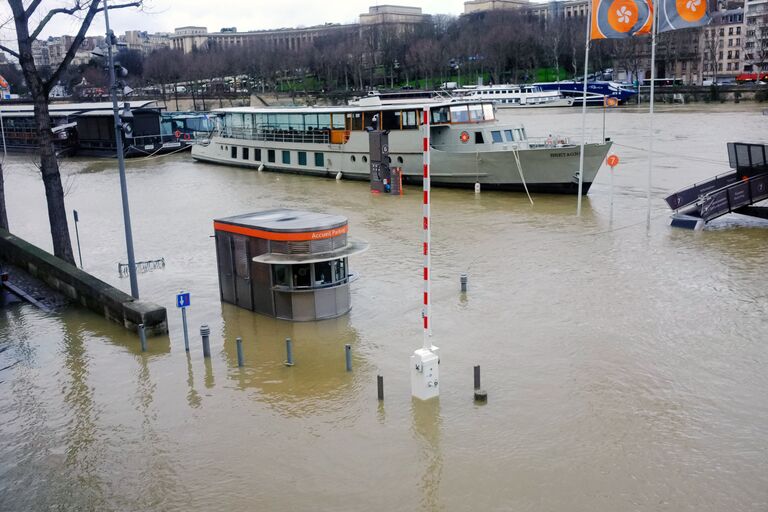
(288, 352)
(240, 358)
(463, 280)
(477, 376)
(205, 332)
(380, 387)
(143, 338)
(348, 356)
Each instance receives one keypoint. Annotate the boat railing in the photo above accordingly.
(549, 142)
(278, 135)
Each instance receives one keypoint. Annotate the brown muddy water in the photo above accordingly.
(627, 369)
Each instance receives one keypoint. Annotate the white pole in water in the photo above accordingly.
(650, 128)
(424, 361)
(584, 110)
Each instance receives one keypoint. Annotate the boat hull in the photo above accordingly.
(545, 169)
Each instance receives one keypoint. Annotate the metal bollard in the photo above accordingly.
(205, 332)
(240, 358)
(143, 338)
(477, 376)
(348, 356)
(288, 352)
(463, 280)
(380, 387)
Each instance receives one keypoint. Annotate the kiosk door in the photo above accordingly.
(242, 272)
(226, 272)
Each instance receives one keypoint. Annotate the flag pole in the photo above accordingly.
(650, 128)
(584, 108)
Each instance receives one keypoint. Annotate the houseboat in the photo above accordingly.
(597, 90)
(468, 145)
(88, 128)
(514, 96)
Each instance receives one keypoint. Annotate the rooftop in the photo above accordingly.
(286, 220)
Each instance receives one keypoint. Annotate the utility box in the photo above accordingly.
(289, 264)
(425, 372)
(381, 176)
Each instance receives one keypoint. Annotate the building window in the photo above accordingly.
(684, 65)
(730, 42)
(257, 154)
(271, 155)
(738, 41)
(286, 157)
(722, 31)
(245, 153)
(736, 54)
(730, 54)
(302, 158)
(319, 160)
(719, 55)
(728, 67)
(233, 152)
(730, 31)
(738, 30)
(720, 66)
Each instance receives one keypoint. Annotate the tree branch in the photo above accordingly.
(51, 14)
(9, 51)
(121, 6)
(32, 7)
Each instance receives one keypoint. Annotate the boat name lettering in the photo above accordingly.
(563, 155)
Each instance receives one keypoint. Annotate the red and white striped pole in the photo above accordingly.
(426, 312)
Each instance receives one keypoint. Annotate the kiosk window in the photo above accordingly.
(281, 275)
(323, 273)
(301, 276)
(339, 270)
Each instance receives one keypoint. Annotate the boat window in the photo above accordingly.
(323, 273)
(519, 134)
(324, 121)
(475, 113)
(301, 276)
(508, 135)
(459, 114)
(245, 153)
(479, 138)
(338, 122)
(319, 159)
(411, 119)
(271, 155)
(354, 121)
(440, 115)
(281, 275)
(390, 120)
(488, 112)
(257, 154)
(233, 152)
(286, 157)
(302, 158)
(496, 136)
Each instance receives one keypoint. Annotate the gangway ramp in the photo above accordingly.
(736, 191)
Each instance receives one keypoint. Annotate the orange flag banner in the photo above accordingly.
(620, 19)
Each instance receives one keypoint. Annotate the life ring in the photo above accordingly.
(464, 137)
(177, 134)
(186, 136)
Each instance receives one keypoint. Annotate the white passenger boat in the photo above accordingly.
(515, 96)
(468, 145)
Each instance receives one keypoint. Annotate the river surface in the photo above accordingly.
(626, 367)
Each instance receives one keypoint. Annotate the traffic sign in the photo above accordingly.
(612, 160)
(182, 300)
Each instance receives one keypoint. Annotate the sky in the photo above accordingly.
(165, 15)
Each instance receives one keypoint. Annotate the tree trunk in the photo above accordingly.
(54, 192)
(3, 214)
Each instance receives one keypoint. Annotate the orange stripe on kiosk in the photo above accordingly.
(287, 264)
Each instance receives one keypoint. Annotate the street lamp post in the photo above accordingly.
(111, 40)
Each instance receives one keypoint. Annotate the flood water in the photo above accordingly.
(626, 367)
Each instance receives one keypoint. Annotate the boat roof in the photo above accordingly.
(367, 107)
(283, 220)
(71, 109)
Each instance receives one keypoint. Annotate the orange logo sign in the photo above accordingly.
(612, 160)
(622, 15)
(691, 10)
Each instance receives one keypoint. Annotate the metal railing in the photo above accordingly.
(277, 135)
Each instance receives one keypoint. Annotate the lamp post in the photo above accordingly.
(111, 40)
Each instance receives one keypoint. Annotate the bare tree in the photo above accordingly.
(28, 31)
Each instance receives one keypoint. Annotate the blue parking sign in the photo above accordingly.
(182, 300)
